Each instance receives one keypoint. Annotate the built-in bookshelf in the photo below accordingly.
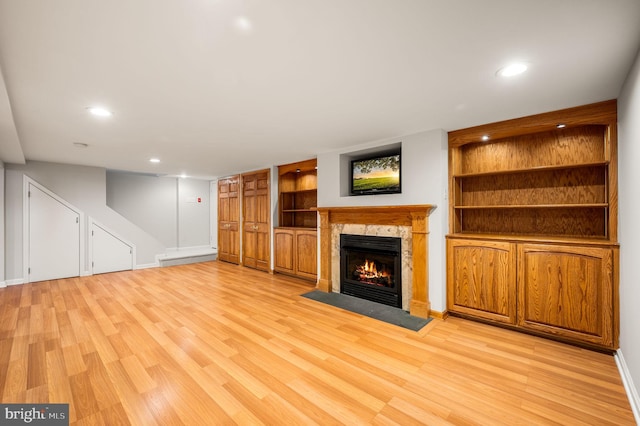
(295, 239)
(533, 224)
(298, 189)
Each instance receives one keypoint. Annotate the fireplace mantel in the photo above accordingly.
(415, 216)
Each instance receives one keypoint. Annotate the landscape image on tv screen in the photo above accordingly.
(376, 175)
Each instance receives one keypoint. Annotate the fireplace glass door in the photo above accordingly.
(370, 268)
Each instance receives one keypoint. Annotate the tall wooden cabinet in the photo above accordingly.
(295, 240)
(533, 224)
(229, 219)
(256, 222)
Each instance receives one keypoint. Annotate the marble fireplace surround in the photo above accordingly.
(410, 222)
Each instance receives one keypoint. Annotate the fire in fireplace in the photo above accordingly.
(372, 272)
(370, 268)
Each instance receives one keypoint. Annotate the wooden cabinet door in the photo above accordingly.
(229, 220)
(256, 242)
(306, 250)
(481, 279)
(296, 252)
(283, 250)
(567, 291)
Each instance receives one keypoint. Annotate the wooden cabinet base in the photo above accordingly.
(296, 252)
(563, 291)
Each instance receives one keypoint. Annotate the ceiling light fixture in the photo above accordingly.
(512, 70)
(99, 112)
(485, 138)
(561, 126)
(154, 160)
(243, 24)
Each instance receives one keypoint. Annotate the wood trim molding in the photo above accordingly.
(439, 315)
(415, 216)
(598, 113)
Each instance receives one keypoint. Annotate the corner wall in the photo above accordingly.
(424, 181)
(147, 201)
(629, 228)
(2, 222)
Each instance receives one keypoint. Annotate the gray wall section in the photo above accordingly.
(147, 201)
(193, 213)
(166, 208)
(629, 226)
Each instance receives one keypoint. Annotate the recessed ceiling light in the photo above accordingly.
(512, 70)
(154, 160)
(99, 112)
(561, 126)
(243, 24)
(485, 138)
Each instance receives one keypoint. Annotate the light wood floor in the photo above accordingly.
(214, 343)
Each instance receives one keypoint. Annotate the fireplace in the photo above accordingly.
(371, 268)
(409, 222)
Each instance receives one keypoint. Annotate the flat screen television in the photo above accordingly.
(379, 174)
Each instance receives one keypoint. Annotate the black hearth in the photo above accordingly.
(371, 268)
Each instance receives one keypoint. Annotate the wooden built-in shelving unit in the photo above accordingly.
(549, 183)
(298, 189)
(295, 242)
(533, 224)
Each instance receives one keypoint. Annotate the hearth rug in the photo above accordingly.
(388, 314)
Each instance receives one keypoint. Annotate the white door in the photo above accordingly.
(110, 254)
(54, 238)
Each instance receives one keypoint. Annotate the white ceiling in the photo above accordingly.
(189, 86)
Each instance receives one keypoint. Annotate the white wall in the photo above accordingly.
(165, 207)
(629, 224)
(193, 213)
(424, 181)
(213, 213)
(2, 223)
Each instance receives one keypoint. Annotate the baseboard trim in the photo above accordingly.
(185, 260)
(177, 252)
(627, 381)
(3, 284)
(439, 315)
(16, 281)
(147, 266)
